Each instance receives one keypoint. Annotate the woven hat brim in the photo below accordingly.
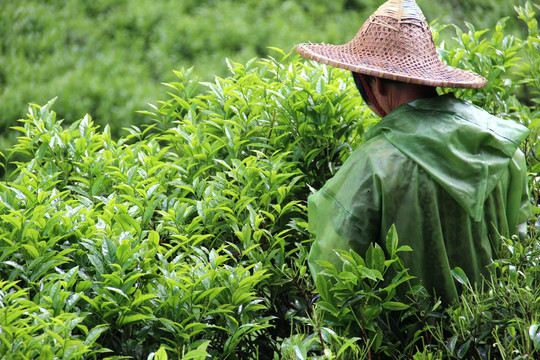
(437, 74)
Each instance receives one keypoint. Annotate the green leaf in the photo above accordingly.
(328, 307)
(31, 250)
(534, 335)
(153, 238)
(122, 252)
(395, 306)
(327, 265)
(118, 291)
(392, 241)
(347, 345)
(196, 354)
(463, 349)
(141, 299)
(128, 319)
(161, 354)
(300, 352)
(322, 287)
(83, 286)
(370, 273)
(372, 311)
(375, 258)
(404, 248)
(127, 223)
(452, 344)
(94, 334)
(241, 296)
(97, 263)
(200, 353)
(460, 275)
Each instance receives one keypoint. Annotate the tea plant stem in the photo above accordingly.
(270, 131)
(320, 335)
(304, 294)
(362, 322)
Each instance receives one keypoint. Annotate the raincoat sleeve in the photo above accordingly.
(345, 213)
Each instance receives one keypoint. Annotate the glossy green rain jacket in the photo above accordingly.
(450, 177)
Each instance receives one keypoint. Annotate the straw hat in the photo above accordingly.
(394, 43)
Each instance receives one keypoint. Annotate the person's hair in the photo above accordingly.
(369, 80)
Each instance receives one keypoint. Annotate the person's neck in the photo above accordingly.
(410, 93)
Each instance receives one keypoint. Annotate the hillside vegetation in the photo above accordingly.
(187, 238)
(108, 57)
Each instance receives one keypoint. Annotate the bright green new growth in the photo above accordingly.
(187, 239)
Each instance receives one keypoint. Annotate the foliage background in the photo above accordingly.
(187, 239)
(108, 57)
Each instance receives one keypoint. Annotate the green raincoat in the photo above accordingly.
(450, 177)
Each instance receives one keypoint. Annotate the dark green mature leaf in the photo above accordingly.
(463, 349)
(394, 305)
(460, 275)
(392, 241)
(323, 288)
(375, 258)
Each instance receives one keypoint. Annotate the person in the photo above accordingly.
(447, 174)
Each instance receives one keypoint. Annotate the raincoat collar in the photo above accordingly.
(464, 148)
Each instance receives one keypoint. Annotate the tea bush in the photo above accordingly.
(188, 238)
(190, 234)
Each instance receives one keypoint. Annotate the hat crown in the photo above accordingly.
(400, 10)
(394, 43)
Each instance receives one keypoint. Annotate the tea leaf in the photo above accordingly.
(460, 276)
(463, 349)
(392, 241)
(394, 305)
(94, 334)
